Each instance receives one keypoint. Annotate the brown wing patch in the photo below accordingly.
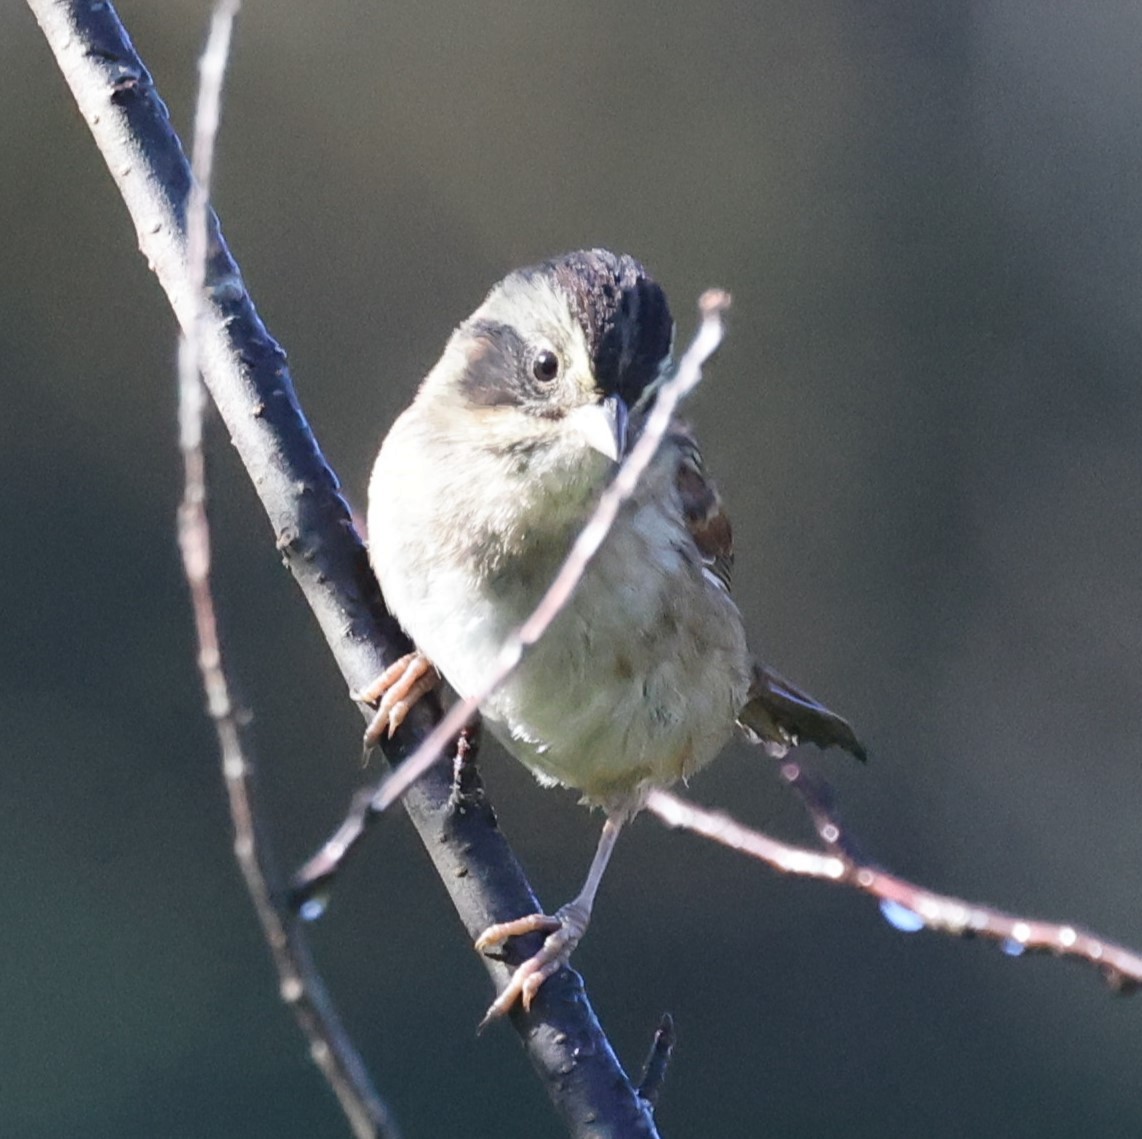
(702, 505)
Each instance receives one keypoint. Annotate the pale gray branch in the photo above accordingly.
(299, 983)
(907, 905)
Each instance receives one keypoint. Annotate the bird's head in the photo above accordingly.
(557, 355)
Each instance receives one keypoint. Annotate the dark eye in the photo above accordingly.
(546, 366)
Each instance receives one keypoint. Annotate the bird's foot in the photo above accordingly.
(564, 931)
(394, 693)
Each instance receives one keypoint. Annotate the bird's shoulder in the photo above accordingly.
(702, 507)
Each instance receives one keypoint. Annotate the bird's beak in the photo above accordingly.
(603, 426)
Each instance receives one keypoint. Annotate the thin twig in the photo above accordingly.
(658, 1060)
(246, 373)
(299, 984)
(325, 863)
(783, 857)
(906, 905)
(818, 800)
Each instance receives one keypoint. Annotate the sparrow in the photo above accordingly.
(479, 490)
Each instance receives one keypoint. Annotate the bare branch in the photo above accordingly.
(325, 863)
(246, 373)
(298, 981)
(906, 905)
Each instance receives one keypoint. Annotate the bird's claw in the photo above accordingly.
(564, 932)
(394, 693)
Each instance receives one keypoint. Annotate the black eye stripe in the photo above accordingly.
(505, 370)
(497, 356)
(626, 325)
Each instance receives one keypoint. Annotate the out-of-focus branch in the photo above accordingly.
(299, 983)
(658, 1060)
(246, 374)
(326, 862)
(906, 905)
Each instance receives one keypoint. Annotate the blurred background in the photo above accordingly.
(926, 422)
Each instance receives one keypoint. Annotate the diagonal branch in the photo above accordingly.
(299, 982)
(245, 371)
(906, 905)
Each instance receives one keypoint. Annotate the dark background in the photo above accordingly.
(926, 422)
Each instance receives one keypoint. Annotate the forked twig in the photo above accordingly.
(298, 981)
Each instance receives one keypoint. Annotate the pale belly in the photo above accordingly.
(612, 712)
(637, 683)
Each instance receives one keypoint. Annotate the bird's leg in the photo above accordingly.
(394, 692)
(564, 929)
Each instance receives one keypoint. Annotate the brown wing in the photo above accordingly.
(777, 713)
(702, 506)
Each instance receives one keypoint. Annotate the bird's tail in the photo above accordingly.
(779, 715)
